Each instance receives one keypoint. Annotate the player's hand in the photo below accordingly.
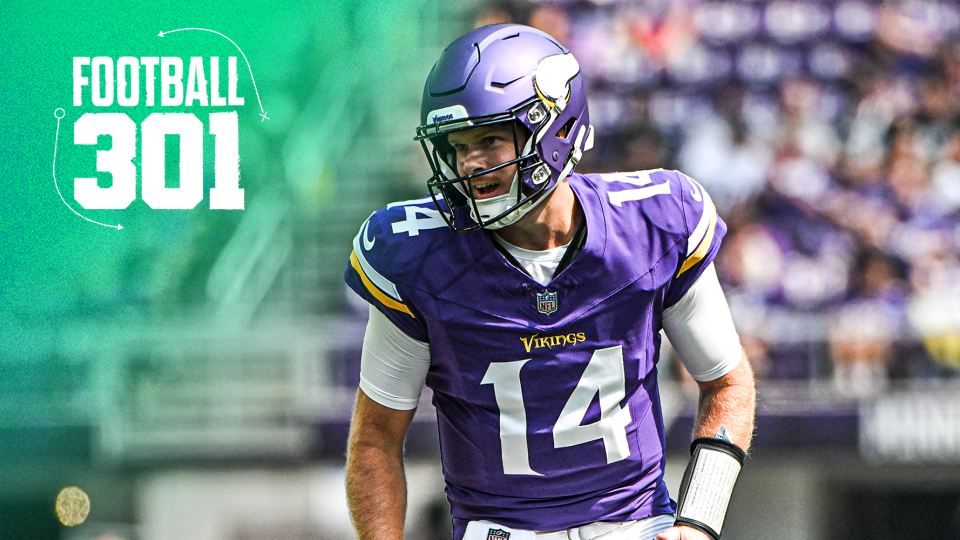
(682, 533)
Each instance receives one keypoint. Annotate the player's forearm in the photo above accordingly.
(729, 401)
(376, 492)
(376, 485)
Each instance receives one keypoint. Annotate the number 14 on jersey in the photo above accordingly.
(604, 375)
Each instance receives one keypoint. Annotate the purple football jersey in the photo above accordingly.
(546, 396)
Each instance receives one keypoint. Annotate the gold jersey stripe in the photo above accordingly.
(377, 293)
(704, 247)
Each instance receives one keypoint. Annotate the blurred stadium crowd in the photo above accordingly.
(828, 134)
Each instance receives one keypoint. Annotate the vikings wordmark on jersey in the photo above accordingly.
(546, 393)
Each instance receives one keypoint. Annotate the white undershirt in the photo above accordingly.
(540, 265)
(393, 365)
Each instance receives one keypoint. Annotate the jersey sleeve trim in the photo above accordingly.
(381, 282)
(701, 229)
(359, 264)
(702, 237)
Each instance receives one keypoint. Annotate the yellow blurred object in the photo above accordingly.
(944, 347)
(73, 505)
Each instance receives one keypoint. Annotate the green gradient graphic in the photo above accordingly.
(57, 265)
(92, 315)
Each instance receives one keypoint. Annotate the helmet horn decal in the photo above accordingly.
(552, 76)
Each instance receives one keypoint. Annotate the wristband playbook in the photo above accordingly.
(708, 482)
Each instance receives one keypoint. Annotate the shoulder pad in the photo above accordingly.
(670, 200)
(652, 197)
(385, 256)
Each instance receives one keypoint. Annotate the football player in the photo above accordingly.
(529, 298)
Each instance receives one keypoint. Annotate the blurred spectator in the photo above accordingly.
(945, 177)
(750, 265)
(807, 127)
(500, 12)
(721, 153)
(934, 310)
(915, 28)
(553, 20)
(864, 330)
(642, 147)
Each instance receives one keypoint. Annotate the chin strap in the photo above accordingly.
(708, 482)
(576, 151)
(520, 211)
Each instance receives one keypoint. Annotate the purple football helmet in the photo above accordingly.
(504, 73)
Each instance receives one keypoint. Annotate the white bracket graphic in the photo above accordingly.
(59, 114)
(263, 113)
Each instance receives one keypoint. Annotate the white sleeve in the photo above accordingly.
(393, 365)
(701, 330)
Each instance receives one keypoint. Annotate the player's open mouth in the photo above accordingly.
(485, 188)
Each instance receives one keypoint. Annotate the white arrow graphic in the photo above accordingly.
(263, 113)
(59, 113)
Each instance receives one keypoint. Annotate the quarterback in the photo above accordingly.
(530, 298)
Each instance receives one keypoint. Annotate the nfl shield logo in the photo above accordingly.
(498, 534)
(547, 302)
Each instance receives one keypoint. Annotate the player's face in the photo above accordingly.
(484, 147)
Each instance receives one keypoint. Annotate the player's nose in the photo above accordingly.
(474, 161)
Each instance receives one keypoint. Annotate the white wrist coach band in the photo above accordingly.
(708, 482)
